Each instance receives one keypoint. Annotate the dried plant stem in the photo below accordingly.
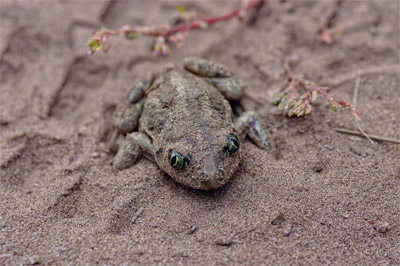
(332, 15)
(355, 94)
(208, 20)
(325, 31)
(374, 137)
(100, 40)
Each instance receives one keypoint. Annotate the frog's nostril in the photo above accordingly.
(220, 177)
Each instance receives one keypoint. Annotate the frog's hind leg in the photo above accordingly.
(126, 117)
(217, 75)
(249, 124)
(126, 120)
(136, 145)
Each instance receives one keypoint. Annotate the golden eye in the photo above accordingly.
(178, 160)
(232, 145)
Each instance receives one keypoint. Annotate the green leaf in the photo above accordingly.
(131, 35)
(180, 9)
(94, 45)
(308, 110)
(282, 106)
(314, 96)
(334, 107)
(300, 113)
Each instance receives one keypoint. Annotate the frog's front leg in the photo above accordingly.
(249, 124)
(127, 115)
(136, 145)
(217, 75)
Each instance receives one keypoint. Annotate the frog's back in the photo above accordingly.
(179, 105)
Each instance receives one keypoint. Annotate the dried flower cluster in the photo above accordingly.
(292, 102)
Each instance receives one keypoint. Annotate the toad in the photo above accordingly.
(182, 120)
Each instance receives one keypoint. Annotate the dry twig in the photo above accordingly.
(355, 94)
(374, 137)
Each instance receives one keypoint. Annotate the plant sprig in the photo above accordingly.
(173, 32)
(293, 103)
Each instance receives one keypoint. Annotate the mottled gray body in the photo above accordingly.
(188, 114)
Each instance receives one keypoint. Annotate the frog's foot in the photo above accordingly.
(217, 75)
(135, 146)
(249, 124)
(127, 115)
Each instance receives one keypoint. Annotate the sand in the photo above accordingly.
(317, 197)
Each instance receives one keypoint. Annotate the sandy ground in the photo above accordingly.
(317, 197)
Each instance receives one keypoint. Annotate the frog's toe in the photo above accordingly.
(126, 156)
(135, 145)
(231, 88)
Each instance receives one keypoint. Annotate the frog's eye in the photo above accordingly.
(178, 160)
(232, 145)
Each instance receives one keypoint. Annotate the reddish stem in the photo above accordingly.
(209, 20)
(101, 38)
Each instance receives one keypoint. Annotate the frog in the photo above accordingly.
(182, 120)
